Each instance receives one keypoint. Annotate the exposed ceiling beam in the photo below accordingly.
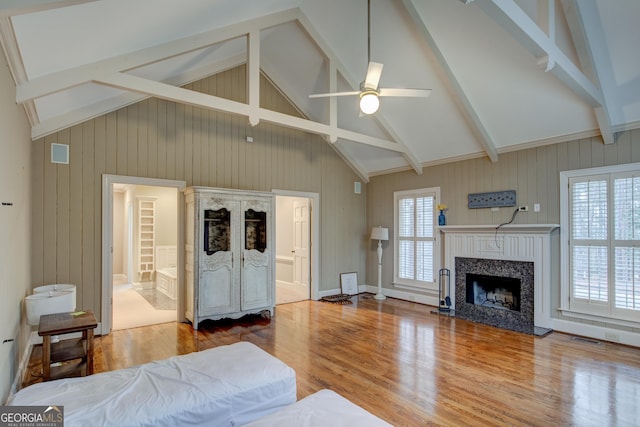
(202, 100)
(66, 79)
(525, 30)
(99, 108)
(476, 123)
(16, 67)
(87, 112)
(253, 76)
(588, 38)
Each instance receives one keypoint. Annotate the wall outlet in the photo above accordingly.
(523, 208)
(536, 207)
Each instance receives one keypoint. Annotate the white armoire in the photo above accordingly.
(229, 254)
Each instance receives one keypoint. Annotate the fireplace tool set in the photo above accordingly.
(444, 291)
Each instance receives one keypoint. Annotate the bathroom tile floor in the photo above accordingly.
(157, 299)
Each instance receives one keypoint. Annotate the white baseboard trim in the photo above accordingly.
(596, 332)
(392, 293)
(407, 296)
(120, 277)
(23, 364)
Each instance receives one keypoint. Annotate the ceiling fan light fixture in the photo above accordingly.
(369, 102)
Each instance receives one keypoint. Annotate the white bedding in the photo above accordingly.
(321, 409)
(224, 386)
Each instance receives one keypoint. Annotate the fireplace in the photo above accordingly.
(520, 251)
(501, 293)
(495, 292)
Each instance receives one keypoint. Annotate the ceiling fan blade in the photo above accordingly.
(374, 71)
(325, 95)
(415, 93)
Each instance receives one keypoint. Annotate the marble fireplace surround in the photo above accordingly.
(520, 242)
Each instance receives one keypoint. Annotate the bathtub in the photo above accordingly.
(167, 281)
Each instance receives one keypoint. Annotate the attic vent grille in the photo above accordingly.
(60, 153)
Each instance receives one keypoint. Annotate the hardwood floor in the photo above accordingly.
(413, 368)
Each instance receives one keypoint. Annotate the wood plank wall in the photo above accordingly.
(534, 173)
(159, 139)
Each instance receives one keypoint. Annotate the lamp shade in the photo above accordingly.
(379, 233)
(42, 303)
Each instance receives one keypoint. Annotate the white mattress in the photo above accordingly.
(321, 409)
(224, 386)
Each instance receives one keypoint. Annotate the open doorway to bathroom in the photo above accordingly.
(142, 232)
(145, 253)
(293, 249)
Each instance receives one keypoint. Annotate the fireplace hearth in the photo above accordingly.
(496, 292)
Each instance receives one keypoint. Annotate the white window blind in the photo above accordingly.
(589, 240)
(415, 260)
(604, 244)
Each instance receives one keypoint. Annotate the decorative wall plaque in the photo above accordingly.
(492, 199)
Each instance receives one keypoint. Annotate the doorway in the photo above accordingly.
(142, 231)
(293, 248)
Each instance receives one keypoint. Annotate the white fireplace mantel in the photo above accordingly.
(505, 229)
(512, 242)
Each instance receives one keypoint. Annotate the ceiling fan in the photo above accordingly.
(369, 91)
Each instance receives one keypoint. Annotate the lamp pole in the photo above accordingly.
(380, 295)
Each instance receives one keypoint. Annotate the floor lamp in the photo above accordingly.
(379, 234)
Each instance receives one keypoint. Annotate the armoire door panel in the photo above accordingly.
(255, 280)
(216, 292)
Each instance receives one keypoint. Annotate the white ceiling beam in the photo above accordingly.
(87, 112)
(253, 76)
(20, 7)
(323, 129)
(14, 61)
(588, 38)
(333, 101)
(525, 30)
(476, 123)
(202, 100)
(173, 93)
(66, 79)
(335, 66)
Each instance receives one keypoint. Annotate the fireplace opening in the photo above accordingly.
(493, 291)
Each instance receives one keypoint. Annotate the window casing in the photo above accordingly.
(417, 242)
(602, 222)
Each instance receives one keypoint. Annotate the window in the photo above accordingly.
(602, 218)
(416, 240)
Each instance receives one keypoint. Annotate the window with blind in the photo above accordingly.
(604, 243)
(416, 238)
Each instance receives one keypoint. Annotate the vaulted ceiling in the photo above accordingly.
(504, 74)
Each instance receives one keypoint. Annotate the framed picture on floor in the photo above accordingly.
(349, 283)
